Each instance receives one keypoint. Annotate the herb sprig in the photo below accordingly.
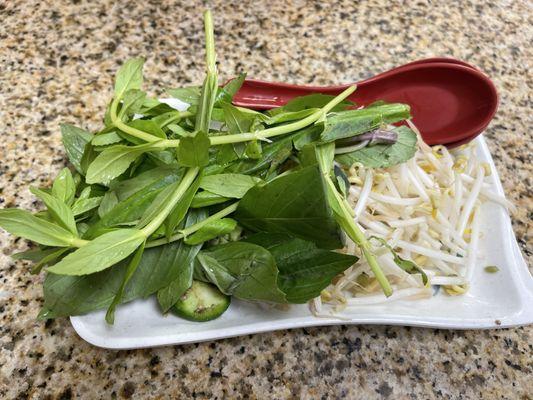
(248, 201)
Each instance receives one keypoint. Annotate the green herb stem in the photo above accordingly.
(137, 132)
(193, 228)
(352, 230)
(187, 181)
(270, 132)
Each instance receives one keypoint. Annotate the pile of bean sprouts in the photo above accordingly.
(428, 211)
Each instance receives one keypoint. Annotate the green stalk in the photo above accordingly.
(349, 226)
(193, 228)
(283, 129)
(270, 132)
(187, 180)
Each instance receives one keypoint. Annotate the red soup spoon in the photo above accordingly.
(451, 101)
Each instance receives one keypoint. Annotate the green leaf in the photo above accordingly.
(148, 126)
(212, 230)
(74, 140)
(194, 151)
(229, 185)
(206, 198)
(113, 161)
(225, 94)
(132, 101)
(304, 269)
(130, 270)
(131, 208)
(33, 255)
(354, 122)
(158, 204)
(294, 203)
(244, 270)
(66, 295)
(109, 201)
(23, 224)
(48, 259)
(64, 188)
(407, 265)
(105, 139)
(237, 120)
(100, 253)
(129, 187)
(290, 116)
(189, 95)
(316, 100)
(384, 155)
(180, 210)
(59, 211)
(129, 76)
(253, 149)
(274, 154)
(83, 205)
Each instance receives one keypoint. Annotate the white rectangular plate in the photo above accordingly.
(503, 299)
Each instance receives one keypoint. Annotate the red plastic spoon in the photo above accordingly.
(451, 101)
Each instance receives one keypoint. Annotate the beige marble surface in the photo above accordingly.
(57, 60)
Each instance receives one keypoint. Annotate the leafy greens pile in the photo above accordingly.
(251, 202)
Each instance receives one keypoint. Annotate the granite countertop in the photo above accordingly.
(57, 61)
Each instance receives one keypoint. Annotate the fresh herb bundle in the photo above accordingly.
(247, 201)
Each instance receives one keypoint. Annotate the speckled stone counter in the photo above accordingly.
(57, 60)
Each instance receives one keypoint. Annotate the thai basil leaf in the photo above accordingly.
(129, 76)
(109, 201)
(132, 101)
(316, 100)
(253, 149)
(48, 259)
(206, 198)
(180, 210)
(129, 187)
(295, 204)
(66, 295)
(105, 139)
(229, 185)
(236, 120)
(74, 140)
(290, 116)
(148, 126)
(64, 188)
(34, 255)
(22, 223)
(189, 95)
(100, 253)
(354, 122)
(244, 270)
(81, 206)
(194, 151)
(113, 161)
(211, 230)
(130, 209)
(225, 94)
(304, 269)
(407, 265)
(60, 212)
(130, 270)
(384, 155)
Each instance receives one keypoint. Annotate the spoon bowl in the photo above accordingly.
(450, 101)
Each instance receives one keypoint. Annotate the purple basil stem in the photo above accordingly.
(378, 136)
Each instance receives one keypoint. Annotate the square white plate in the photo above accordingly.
(502, 299)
